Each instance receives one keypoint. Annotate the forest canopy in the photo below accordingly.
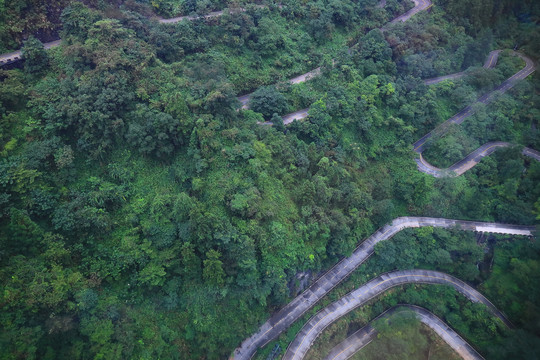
(144, 214)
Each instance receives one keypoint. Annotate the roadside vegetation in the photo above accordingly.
(143, 216)
(406, 338)
(486, 262)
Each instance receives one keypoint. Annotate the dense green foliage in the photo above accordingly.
(143, 216)
(19, 19)
(268, 101)
(35, 56)
(493, 255)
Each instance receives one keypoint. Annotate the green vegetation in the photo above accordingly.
(403, 337)
(510, 118)
(268, 101)
(143, 216)
(482, 261)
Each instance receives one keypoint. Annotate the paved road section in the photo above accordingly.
(297, 115)
(529, 68)
(17, 55)
(470, 160)
(365, 335)
(213, 14)
(473, 158)
(490, 62)
(193, 17)
(314, 327)
(419, 5)
(531, 153)
(281, 320)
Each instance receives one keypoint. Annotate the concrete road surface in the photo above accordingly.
(419, 5)
(297, 115)
(484, 99)
(191, 17)
(207, 16)
(470, 160)
(284, 318)
(365, 335)
(17, 55)
(491, 61)
(316, 325)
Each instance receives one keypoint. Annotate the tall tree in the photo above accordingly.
(267, 101)
(213, 272)
(35, 56)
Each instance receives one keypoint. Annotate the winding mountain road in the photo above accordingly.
(291, 312)
(314, 327)
(490, 63)
(296, 308)
(473, 158)
(455, 170)
(485, 99)
(365, 335)
(476, 156)
(419, 5)
(456, 119)
(470, 160)
(12, 57)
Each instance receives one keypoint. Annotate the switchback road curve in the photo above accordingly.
(365, 335)
(470, 160)
(419, 5)
(313, 328)
(490, 63)
(291, 312)
(484, 99)
(456, 119)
